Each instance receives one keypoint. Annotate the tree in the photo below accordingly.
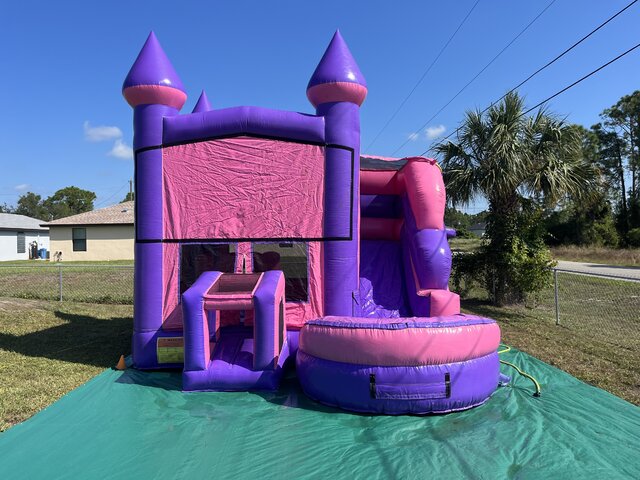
(31, 205)
(586, 221)
(69, 201)
(612, 163)
(129, 197)
(66, 201)
(518, 163)
(619, 134)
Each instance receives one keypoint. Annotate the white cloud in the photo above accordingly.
(21, 187)
(121, 150)
(101, 133)
(413, 137)
(435, 132)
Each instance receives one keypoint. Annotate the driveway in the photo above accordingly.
(631, 273)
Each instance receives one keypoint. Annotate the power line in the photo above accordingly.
(424, 75)
(477, 75)
(113, 195)
(548, 64)
(581, 79)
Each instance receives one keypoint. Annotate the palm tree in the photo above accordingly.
(514, 161)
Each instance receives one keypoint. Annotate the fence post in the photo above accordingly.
(555, 292)
(60, 281)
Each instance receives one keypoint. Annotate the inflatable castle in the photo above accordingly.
(263, 236)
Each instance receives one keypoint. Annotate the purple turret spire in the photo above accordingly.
(337, 77)
(152, 79)
(202, 105)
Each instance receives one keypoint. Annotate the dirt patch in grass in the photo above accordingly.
(627, 257)
(50, 348)
(20, 304)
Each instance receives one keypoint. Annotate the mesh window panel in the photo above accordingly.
(197, 258)
(290, 257)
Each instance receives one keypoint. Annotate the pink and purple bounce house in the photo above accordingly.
(264, 236)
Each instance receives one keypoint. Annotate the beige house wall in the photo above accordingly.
(104, 242)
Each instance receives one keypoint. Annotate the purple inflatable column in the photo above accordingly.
(154, 90)
(337, 89)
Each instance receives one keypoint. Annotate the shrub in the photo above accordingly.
(514, 273)
(633, 237)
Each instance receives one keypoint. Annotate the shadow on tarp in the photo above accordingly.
(289, 394)
(165, 380)
(140, 425)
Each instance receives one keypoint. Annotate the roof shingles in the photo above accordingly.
(120, 214)
(11, 221)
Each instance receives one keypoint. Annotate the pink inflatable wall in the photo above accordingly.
(243, 188)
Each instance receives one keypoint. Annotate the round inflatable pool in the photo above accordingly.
(399, 365)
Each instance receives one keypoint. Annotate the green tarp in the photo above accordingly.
(140, 425)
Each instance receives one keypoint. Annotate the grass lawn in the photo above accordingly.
(592, 360)
(49, 348)
(598, 339)
(95, 283)
(42, 263)
(626, 257)
(464, 245)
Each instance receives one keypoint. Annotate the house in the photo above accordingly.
(103, 234)
(18, 234)
(478, 229)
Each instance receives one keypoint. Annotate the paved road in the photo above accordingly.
(600, 269)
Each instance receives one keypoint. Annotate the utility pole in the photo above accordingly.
(131, 189)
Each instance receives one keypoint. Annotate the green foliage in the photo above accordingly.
(63, 203)
(462, 232)
(586, 223)
(619, 158)
(633, 237)
(69, 201)
(461, 221)
(31, 205)
(518, 163)
(128, 197)
(516, 274)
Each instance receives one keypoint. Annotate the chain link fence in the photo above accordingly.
(602, 307)
(605, 307)
(108, 284)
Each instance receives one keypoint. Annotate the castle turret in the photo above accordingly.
(155, 91)
(337, 77)
(337, 89)
(152, 79)
(202, 105)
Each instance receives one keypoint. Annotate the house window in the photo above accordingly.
(290, 257)
(196, 258)
(22, 248)
(79, 237)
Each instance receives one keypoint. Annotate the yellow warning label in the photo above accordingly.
(170, 350)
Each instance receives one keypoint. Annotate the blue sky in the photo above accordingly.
(63, 67)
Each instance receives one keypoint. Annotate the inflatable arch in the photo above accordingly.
(263, 235)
